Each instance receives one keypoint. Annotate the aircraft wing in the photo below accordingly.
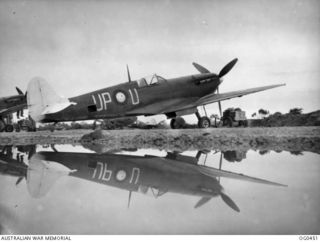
(165, 106)
(212, 172)
(12, 104)
(178, 104)
(13, 109)
(211, 98)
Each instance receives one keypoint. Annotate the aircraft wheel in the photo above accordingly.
(204, 122)
(9, 128)
(177, 123)
(172, 123)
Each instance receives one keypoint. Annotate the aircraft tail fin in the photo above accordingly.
(42, 99)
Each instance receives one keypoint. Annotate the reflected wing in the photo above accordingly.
(211, 98)
(212, 172)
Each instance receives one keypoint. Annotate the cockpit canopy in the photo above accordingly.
(151, 80)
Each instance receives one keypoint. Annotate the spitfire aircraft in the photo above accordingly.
(149, 175)
(148, 96)
(8, 106)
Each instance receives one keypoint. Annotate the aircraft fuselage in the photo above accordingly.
(138, 174)
(123, 99)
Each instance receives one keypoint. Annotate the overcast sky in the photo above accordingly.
(80, 46)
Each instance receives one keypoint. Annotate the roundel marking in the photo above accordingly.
(121, 97)
(121, 175)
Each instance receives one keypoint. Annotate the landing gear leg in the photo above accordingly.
(203, 122)
(2, 125)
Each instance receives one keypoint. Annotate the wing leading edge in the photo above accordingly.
(211, 98)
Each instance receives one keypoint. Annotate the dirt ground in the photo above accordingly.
(280, 138)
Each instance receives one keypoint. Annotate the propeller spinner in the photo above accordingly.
(222, 73)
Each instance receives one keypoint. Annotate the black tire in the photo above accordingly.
(18, 129)
(172, 123)
(204, 123)
(177, 123)
(9, 128)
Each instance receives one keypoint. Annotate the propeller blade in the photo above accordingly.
(219, 104)
(229, 202)
(129, 199)
(227, 67)
(129, 77)
(202, 201)
(19, 91)
(220, 109)
(200, 68)
(19, 180)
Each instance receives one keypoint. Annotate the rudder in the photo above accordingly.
(40, 96)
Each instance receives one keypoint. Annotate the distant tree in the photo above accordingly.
(214, 116)
(263, 152)
(277, 114)
(295, 111)
(75, 125)
(263, 113)
(296, 152)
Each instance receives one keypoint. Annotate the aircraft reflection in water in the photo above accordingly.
(147, 174)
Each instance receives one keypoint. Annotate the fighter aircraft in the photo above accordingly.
(149, 175)
(148, 96)
(10, 105)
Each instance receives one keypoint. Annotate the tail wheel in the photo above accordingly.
(9, 128)
(204, 122)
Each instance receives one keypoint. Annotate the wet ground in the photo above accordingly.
(281, 138)
(126, 189)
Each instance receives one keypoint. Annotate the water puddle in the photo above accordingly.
(72, 189)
